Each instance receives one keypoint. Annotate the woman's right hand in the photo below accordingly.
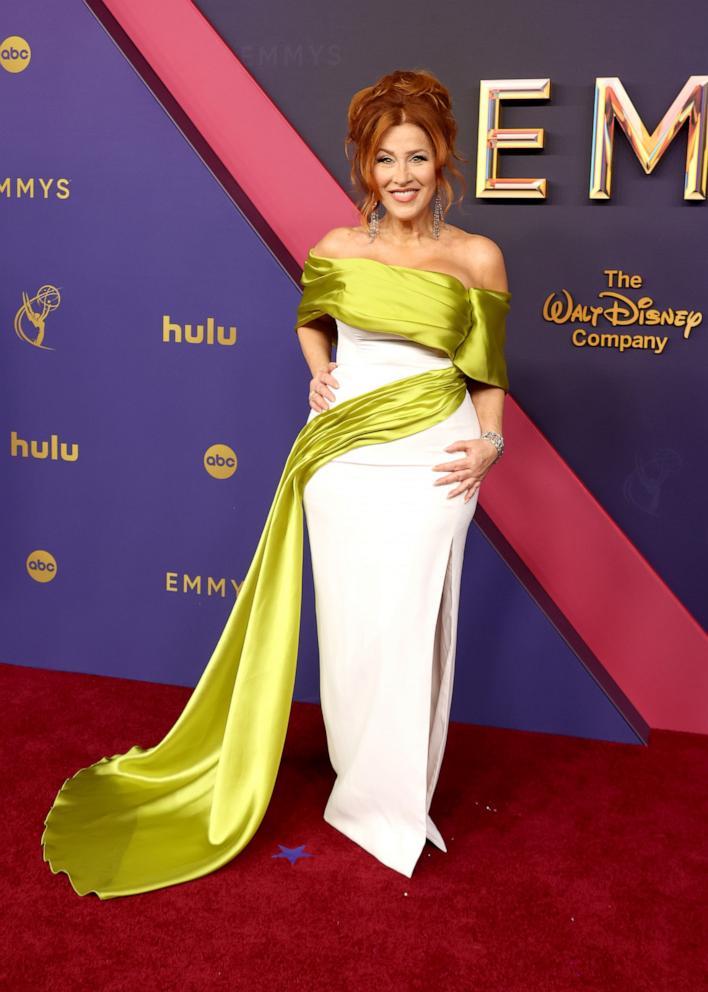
(320, 393)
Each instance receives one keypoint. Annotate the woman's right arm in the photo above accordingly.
(316, 343)
(317, 337)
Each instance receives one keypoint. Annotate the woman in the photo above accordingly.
(386, 544)
(417, 307)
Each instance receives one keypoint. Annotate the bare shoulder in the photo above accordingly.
(484, 261)
(340, 242)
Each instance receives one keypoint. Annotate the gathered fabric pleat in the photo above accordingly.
(430, 308)
(167, 814)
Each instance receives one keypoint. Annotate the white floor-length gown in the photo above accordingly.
(386, 546)
(387, 550)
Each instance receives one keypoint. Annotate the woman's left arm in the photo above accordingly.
(489, 404)
(489, 400)
(480, 453)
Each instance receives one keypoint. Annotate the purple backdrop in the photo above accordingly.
(147, 233)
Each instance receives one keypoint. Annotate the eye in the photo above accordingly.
(387, 158)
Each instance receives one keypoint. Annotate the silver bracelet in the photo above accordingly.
(496, 439)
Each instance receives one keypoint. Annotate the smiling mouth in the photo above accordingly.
(404, 195)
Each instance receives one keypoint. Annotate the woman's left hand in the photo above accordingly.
(469, 471)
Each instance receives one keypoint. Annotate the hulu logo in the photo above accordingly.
(53, 449)
(209, 333)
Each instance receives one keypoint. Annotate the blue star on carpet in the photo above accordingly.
(292, 853)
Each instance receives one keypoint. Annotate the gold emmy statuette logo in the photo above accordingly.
(34, 312)
(41, 565)
(220, 461)
(15, 54)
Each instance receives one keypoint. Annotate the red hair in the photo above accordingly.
(401, 97)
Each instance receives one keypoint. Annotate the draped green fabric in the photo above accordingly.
(163, 815)
(431, 308)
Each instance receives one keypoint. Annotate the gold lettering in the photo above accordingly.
(188, 583)
(218, 587)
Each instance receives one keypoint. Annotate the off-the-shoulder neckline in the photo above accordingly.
(412, 268)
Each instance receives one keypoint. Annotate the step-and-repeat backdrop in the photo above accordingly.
(152, 383)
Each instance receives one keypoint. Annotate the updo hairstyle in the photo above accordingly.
(401, 97)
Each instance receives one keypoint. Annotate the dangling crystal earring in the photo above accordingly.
(374, 222)
(437, 214)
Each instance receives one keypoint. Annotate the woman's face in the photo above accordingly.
(404, 161)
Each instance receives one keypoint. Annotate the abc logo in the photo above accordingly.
(41, 566)
(220, 461)
(15, 54)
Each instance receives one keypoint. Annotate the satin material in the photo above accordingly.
(160, 816)
(171, 813)
(430, 308)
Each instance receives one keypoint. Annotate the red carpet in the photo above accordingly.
(572, 865)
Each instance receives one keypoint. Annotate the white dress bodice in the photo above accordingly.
(368, 359)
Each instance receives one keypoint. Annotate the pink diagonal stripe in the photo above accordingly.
(638, 629)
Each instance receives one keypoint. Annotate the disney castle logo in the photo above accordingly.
(620, 311)
(31, 317)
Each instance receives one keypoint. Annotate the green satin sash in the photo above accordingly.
(159, 816)
(431, 308)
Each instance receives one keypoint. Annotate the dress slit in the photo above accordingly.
(441, 693)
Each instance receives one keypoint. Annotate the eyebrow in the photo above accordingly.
(412, 152)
